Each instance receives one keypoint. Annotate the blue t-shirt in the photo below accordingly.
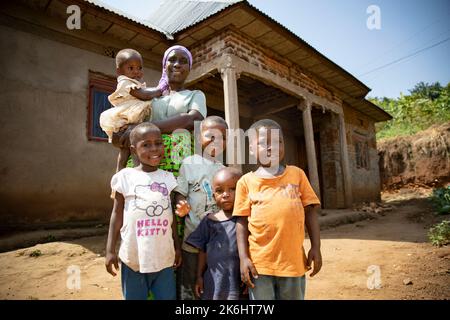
(222, 278)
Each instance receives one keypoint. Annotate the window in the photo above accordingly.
(361, 151)
(100, 87)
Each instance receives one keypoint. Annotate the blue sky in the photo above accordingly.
(338, 29)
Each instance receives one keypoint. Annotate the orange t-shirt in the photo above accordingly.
(276, 220)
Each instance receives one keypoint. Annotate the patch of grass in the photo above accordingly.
(439, 234)
(441, 200)
(35, 253)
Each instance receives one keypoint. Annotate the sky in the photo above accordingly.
(411, 41)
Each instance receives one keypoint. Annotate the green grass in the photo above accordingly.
(439, 234)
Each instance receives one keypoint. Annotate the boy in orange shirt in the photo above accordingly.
(273, 204)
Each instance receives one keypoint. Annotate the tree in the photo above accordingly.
(425, 90)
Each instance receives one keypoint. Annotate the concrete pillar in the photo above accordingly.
(310, 147)
(347, 177)
(229, 78)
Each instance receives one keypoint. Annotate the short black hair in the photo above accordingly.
(214, 120)
(266, 123)
(140, 130)
(124, 55)
(233, 171)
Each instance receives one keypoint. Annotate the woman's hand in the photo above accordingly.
(247, 269)
(178, 258)
(315, 256)
(121, 139)
(183, 208)
(111, 260)
(199, 287)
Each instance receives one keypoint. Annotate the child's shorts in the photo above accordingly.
(136, 285)
(278, 288)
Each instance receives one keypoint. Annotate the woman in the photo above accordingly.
(178, 108)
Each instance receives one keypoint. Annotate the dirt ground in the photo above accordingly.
(395, 244)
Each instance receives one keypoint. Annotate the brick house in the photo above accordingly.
(57, 163)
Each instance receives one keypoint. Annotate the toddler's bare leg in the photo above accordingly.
(122, 158)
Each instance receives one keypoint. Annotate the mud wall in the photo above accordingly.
(423, 158)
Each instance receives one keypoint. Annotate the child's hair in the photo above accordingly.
(124, 55)
(268, 124)
(213, 120)
(233, 171)
(139, 130)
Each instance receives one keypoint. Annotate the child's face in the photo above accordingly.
(224, 187)
(177, 66)
(132, 68)
(213, 138)
(268, 148)
(149, 148)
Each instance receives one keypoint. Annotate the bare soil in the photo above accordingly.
(395, 242)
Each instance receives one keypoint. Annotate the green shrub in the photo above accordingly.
(439, 234)
(35, 253)
(441, 200)
(427, 105)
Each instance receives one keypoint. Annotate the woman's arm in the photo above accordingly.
(121, 139)
(313, 228)
(246, 264)
(180, 121)
(115, 225)
(146, 93)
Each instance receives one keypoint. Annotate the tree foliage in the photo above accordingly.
(427, 104)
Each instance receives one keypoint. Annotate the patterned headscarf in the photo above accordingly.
(164, 81)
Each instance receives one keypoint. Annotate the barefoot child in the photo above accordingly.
(194, 195)
(218, 274)
(131, 100)
(273, 204)
(142, 216)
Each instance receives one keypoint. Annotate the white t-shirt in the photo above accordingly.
(195, 183)
(147, 243)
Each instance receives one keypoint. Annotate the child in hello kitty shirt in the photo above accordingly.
(142, 216)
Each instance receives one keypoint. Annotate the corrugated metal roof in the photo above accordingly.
(174, 16)
(119, 12)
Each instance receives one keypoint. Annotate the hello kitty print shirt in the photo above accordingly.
(147, 243)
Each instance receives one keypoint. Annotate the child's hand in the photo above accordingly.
(111, 260)
(199, 287)
(248, 268)
(163, 84)
(245, 291)
(178, 258)
(315, 256)
(182, 209)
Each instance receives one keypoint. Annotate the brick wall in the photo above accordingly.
(233, 42)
